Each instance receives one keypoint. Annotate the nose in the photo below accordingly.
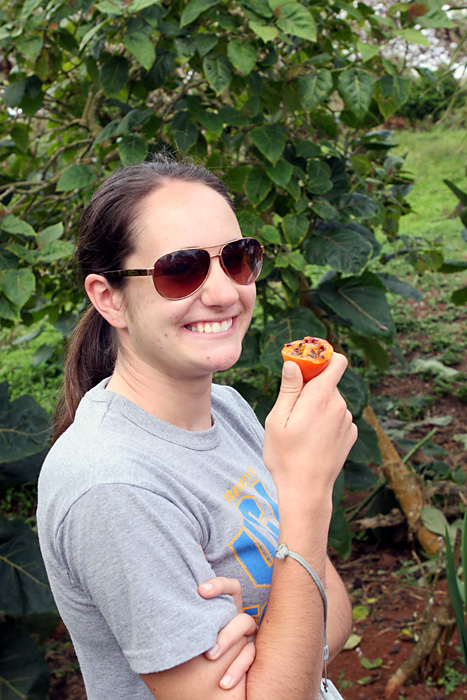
(219, 289)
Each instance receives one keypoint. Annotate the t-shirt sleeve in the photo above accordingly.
(137, 556)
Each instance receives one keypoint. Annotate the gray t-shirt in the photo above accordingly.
(135, 513)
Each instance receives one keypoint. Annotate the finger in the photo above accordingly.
(291, 386)
(221, 585)
(332, 373)
(242, 625)
(238, 667)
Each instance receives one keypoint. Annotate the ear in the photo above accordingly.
(107, 300)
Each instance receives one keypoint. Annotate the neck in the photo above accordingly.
(181, 402)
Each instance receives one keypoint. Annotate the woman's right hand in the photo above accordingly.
(309, 432)
(242, 626)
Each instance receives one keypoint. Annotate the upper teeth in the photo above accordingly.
(214, 327)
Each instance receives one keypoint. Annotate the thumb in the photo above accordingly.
(290, 389)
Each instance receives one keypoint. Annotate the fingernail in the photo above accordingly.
(226, 681)
(289, 370)
(206, 586)
(214, 650)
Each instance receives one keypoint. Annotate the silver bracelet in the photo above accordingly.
(282, 552)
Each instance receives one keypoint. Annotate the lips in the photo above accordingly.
(211, 326)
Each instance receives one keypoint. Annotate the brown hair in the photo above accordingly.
(106, 239)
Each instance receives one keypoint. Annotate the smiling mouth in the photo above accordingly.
(213, 327)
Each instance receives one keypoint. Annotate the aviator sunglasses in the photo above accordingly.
(180, 274)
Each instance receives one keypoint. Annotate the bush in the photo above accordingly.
(431, 94)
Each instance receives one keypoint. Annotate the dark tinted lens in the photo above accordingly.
(243, 260)
(179, 274)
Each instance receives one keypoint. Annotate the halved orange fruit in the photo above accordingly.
(311, 354)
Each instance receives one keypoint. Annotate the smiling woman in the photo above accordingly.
(159, 501)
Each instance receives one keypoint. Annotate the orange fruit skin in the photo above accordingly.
(311, 365)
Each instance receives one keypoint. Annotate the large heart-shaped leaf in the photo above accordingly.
(339, 247)
(356, 87)
(270, 140)
(28, 591)
(361, 303)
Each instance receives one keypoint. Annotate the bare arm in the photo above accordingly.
(339, 611)
(308, 436)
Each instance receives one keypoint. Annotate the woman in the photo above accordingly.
(157, 482)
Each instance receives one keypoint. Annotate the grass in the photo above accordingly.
(433, 156)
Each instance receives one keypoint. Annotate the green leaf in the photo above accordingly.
(110, 7)
(28, 591)
(56, 250)
(75, 177)
(218, 71)
(313, 88)
(398, 286)
(138, 5)
(460, 194)
(211, 120)
(114, 75)
(205, 43)
(296, 20)
(29, 46)
(359, 206)
(270, 140)
(392, 92)
(324, 209)
(455, 594)
(356, 87)
(132, 149)
(111, 129)
(459, 297)
(366, 449)
(367, 51)
(24, 672)
(20, 135)
(295, 227)
(319, 177)
(8, 310)
(257, 185)
(23, 427)
(339, 247)
(361, 303)
(285, 328)
(242, 55)
(141, 47)
(435, 521)
(51, 233)
(265, 31)
(233, 117)
(359, 477)
(18, 285)
(194, 9)
(12, 224)
(14, 93)
(355, 391)
(414, 36)
(373, 351)
(340, 536)
(307, 149)
(270, 234)
(280, 173)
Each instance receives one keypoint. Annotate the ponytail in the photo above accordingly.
(90, 359)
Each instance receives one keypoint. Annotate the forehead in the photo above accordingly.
(184, 214)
